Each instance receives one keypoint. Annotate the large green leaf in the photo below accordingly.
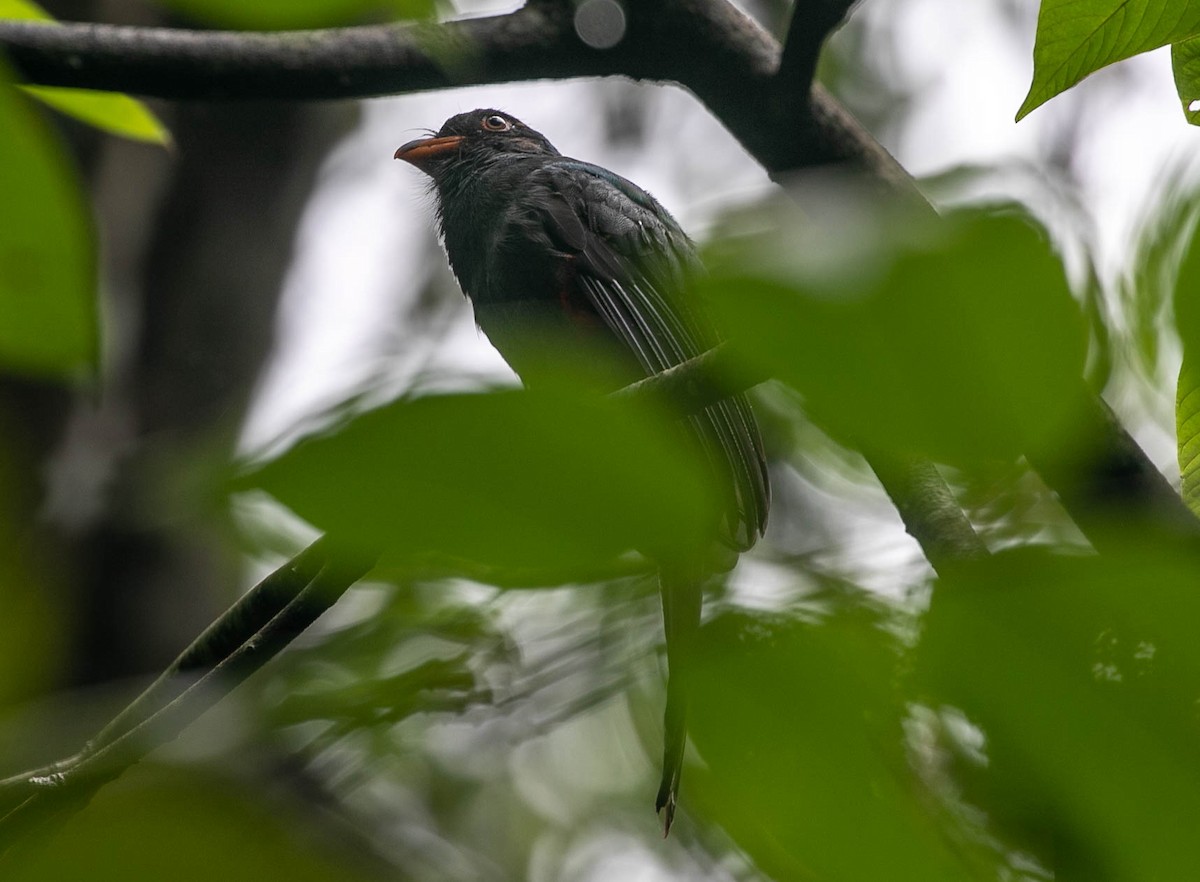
(959, 343)
(289, 14)
(801, 731)
(23, 10)
(508, 478)
(1078, 37)
(166, 823)
(33, 628)
(112, 112)
(47, 268)
(1082, 675)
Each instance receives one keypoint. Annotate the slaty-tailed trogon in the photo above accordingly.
(570, 266)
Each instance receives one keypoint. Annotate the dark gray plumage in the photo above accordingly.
(572, 267)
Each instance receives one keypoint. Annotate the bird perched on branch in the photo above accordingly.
(572, 267)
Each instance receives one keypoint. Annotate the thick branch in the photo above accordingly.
(811, 23)
(706, 45)
(929, 510)
(300, 65)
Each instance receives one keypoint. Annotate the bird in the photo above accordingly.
(571, 268)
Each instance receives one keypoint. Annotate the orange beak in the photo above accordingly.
(422, 150)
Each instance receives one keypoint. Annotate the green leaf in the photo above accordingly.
(291, 14)
(23, 10)
(801, 732)
(33, 630)
(191, 825)
(47, 267)
(111, 112)
(960, 343)
(1082, 675)
(1185, 62)
(510, 479)
(1078, 37)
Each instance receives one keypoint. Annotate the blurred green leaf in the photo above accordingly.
(160, 823)
(23, 10)
(507, 478)
(33, 625)
(1165, 230)
(111, 112)
(290, 14)
(47, 267)
(960, 343)
(1082, 674)
(1078, 37)
(800, 729)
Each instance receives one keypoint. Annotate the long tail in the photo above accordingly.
(681, 593)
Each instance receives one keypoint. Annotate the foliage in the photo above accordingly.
(1076, 38)
(565, 480)
(47, 272)
(956, 340)
(289, 14)
(1027, 715)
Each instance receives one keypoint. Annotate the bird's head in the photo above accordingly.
(476, 135)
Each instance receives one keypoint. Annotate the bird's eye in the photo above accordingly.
(496, 123)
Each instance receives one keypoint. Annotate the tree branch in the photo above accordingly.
(355, 62)
(708, 46)
(811, 24)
